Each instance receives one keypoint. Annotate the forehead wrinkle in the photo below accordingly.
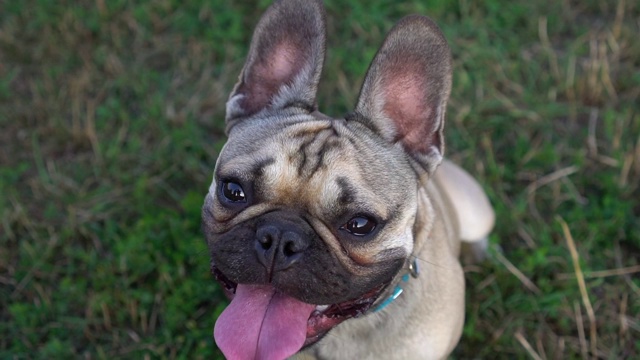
(311, 149)
(241, 165)
(301, 154)
(362, 199)
(341, 161)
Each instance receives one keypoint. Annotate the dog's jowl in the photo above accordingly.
(339, 238)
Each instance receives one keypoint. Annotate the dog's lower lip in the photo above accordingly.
(229, 286)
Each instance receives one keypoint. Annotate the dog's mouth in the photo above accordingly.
(263, 317)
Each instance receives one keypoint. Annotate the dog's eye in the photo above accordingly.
(233, 192)
(359, 226)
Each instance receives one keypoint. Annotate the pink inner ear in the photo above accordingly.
(406, 103)
(273, 69)
(283, 63)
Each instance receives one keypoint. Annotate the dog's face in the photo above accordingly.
(308, 218)
(316, 208)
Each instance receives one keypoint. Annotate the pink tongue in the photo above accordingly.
(262, 324)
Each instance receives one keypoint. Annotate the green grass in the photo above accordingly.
(111, 118)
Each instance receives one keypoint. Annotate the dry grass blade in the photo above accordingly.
(580, 325)
(546, 43)
(604, 273)
(593, 334)
(525, 344)
(623, 310)
(522, 277)
(554, 176)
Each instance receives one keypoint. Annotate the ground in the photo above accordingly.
(111, 116)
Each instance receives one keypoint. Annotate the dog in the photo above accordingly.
(339, 238)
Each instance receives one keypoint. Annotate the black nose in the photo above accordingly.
(279, 248)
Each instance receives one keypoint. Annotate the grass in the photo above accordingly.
(111, 118)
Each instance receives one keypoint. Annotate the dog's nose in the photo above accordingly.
(278, 248)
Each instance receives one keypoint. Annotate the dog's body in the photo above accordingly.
(313, 223)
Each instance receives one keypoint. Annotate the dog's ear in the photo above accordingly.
(284, 62)
(405, 92)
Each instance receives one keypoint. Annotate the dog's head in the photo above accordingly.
(309, 218)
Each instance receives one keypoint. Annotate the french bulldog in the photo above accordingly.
(339, 238)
